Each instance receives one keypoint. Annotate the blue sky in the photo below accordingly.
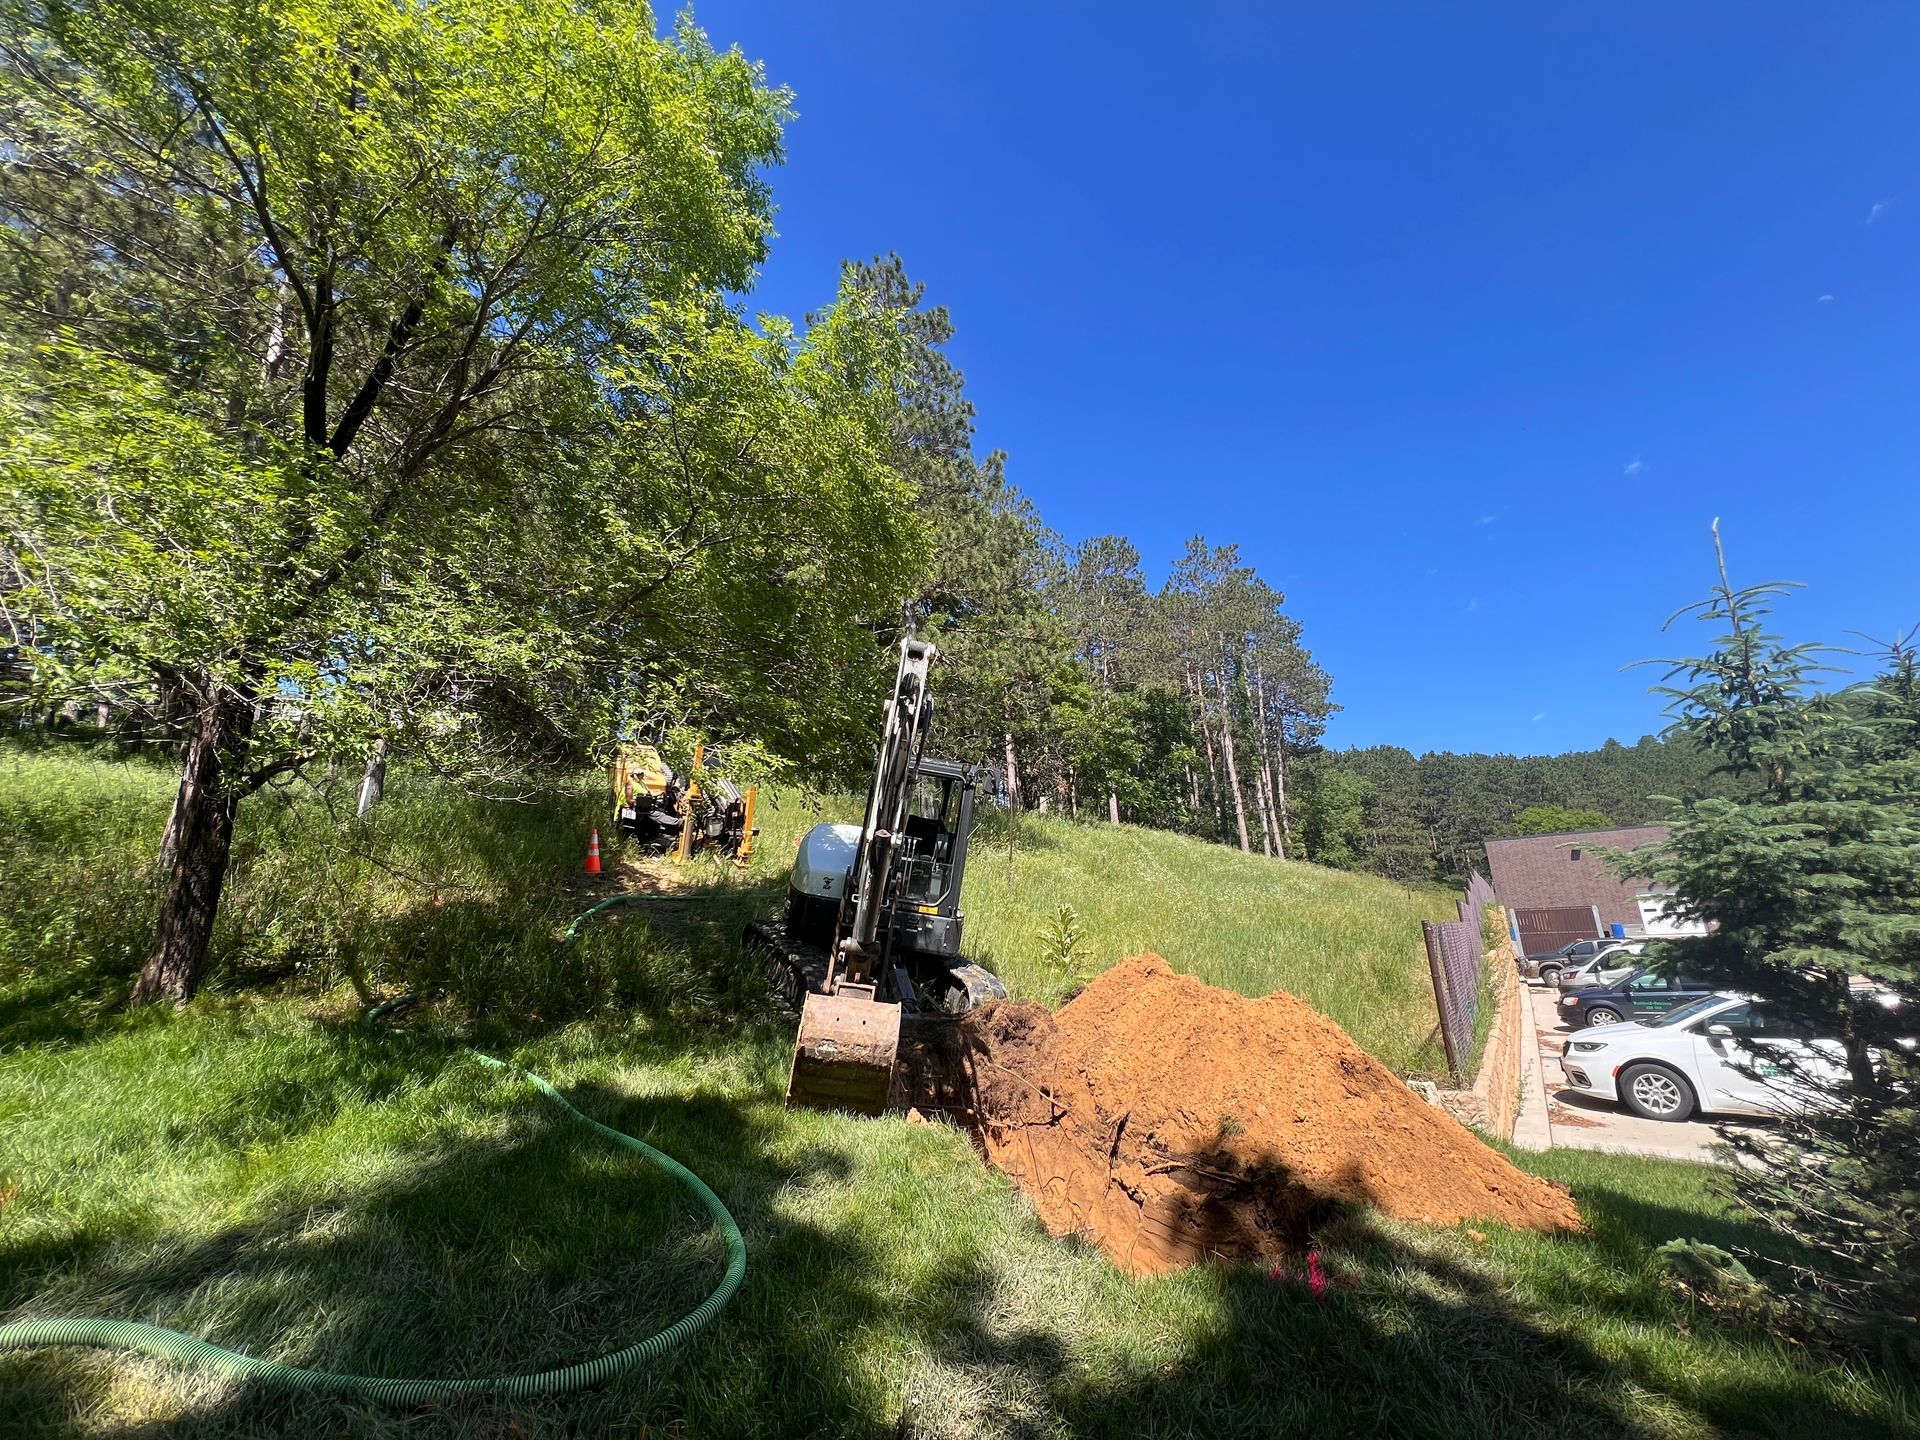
(1464, 322)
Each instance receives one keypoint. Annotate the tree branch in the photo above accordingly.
(398, 336)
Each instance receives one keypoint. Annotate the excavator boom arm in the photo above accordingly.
(908, 713)
(849, 1036)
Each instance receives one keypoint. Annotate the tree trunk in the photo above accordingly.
(1233, 770)
(373, 780)
(1264, 808)
(199, 844)
(1113, 807)
(1198, 697)
(1013, 775)
(1273, 797)
(169, 841)
(1280, 794)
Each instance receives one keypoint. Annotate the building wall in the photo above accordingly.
(1531, 871)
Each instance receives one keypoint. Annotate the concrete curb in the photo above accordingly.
(1532, 1128)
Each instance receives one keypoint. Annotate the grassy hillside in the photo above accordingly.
(265, 1171)
(1348, 943)
(449, 893)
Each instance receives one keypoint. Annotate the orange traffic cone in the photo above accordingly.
(593, 854)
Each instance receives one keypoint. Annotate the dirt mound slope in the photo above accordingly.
(1170, 1121)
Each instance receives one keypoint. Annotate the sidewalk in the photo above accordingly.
(1551, 1117)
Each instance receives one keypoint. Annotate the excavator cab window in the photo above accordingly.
(932, 799)
(926, 856)
(930, 817)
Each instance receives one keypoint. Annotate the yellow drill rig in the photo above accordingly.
(652, 806)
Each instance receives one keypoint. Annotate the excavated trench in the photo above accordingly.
(1169, 1122)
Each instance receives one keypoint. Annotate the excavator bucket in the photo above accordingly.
(843, 1058)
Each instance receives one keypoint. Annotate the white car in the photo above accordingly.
(1724, 1054)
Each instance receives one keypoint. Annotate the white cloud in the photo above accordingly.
(1472, 605)
(1485, 520)
(1541, 716)
(1825, 298)
(1879, 209)
(1632, 467)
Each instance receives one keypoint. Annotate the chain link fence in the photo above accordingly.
(1456, 957)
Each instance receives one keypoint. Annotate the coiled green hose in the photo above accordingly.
(172, 1345)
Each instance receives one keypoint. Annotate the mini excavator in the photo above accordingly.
(871, 933)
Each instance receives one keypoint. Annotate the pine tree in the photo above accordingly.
(1811, 884)
(1105, 606)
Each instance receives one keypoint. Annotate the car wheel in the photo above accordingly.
(1550, 974)
(1653, 1092)
(1603, 1015)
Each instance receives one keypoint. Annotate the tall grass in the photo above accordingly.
(1349, 944)
(77, 844)
(460, 896)
(436, 890)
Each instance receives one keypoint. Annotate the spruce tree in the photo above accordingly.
(1810, 883)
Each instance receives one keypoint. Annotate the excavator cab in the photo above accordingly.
(924, 920)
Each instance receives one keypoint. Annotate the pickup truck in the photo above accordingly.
(1608, 966)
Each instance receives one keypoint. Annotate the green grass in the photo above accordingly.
(264, 1171)
(438, 891)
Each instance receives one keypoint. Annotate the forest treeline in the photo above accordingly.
(1193, 705)
(1384, 810)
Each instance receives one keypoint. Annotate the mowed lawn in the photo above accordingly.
(266, 1171)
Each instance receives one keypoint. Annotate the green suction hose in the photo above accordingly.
(172, 1345)
(573, 930)
(630, 897)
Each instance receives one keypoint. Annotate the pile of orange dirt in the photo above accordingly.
(1170, 1121)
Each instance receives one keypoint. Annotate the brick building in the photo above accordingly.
(1534, 872)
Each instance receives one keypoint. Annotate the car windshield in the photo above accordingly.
(1685, 1013)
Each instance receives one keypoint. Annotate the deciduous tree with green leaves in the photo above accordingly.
(1552, 819)
(371, 370)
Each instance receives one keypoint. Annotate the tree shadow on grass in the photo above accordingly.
(1404, 1340)
(51, 1006)
(537, 1245)
(536, 1248)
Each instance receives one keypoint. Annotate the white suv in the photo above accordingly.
(1725, 1054)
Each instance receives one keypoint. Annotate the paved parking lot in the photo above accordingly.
(1577, 1122)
